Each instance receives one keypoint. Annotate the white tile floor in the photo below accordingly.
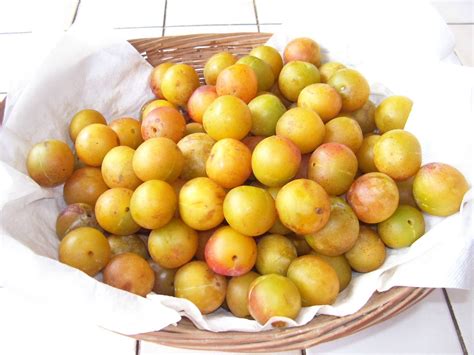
(22, 327)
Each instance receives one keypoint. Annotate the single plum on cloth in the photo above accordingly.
(107, 74)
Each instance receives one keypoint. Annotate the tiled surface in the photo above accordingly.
(455, 11)
(26, 15)
(464, 35)
(270, 28)
(147, 348)
(435, 331)
(270, 11)
(110, 13)
(462, 302)
(425, 329)
(209, 12)
(26, 329)
(182, 30)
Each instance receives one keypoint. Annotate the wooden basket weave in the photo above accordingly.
(195, 50)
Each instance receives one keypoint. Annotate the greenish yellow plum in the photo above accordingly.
(340, 232)
(197, 283)
(278, 227)
(353, 88)
(237, 293)
(153, 204)
(365, 154)
(263, 71)
(392, 113)
(201, 203)
(368, 253)
(342, 268)
(178, 83)
(270, 56)
(274, 254)
(273, 295)
(227, 117)
(275, 161)
(173, 244)
(217, 63)
(250, 210)
(295, 76)
(266, 110)
(303, 127)
(82, 119)
(117, 169)
(344, 130)
(322, 99)
(158, 159)
(439, 188)
(303, 206)
(316, 280)
(156, 78)
(398, 154)
(151, 105)
(403, 228)
(328, 69)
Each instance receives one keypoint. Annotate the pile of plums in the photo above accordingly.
(261, 191)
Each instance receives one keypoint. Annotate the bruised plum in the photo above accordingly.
(75, 216)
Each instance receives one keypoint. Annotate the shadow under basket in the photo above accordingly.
(195, 50)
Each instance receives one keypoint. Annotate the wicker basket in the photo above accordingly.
(195, 50)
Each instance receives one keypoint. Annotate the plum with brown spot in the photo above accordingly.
(230, 253)
(164, 122)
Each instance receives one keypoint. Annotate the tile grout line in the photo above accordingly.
(256, 15)
(16, 33)
(75, 12)
(164, 19)
(455, 322)
(197, 25)
(137, 347)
